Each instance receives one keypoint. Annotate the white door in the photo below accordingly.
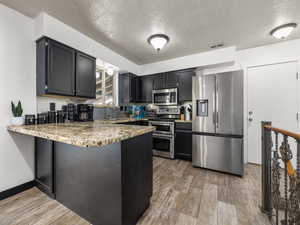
(272, 96)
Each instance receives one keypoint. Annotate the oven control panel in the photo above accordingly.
(168, 110)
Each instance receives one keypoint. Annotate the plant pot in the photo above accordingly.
(17, 121)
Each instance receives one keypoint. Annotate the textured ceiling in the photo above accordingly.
(192, 25)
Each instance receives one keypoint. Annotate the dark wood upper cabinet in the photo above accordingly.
(60, 72)
(124, 92)
(61, 69)
(123, 89)
(159, 81)
(185, 78)
(171, 80)
(85, 75)
(146, 89)
(129, 88)
(165, 80)
(135, 89)
(181, 79)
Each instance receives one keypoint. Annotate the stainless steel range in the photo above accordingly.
(164, 135)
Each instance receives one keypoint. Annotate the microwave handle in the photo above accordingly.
(173, 96)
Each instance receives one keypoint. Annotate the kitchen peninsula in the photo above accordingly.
(101, 170)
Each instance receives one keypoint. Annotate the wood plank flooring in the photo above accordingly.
(183, 195)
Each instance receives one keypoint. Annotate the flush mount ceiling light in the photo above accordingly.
(283, 31)
(110, 71)
(158, 41)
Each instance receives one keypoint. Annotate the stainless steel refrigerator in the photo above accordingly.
(218, 122)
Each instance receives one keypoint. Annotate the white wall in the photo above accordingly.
(53, 28)
(270, 54)
(210, 58)
(17, 81)
(285, 51)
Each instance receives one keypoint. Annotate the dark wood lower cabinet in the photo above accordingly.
(183, 141)
(183, 145)
(88, 181)
(44, 166)
(137, 178)
(109, 185)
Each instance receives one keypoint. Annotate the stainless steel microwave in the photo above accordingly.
(165, 96)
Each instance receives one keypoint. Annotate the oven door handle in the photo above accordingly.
(161, 123)
(167, 137)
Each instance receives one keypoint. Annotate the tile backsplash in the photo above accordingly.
(108, 113)
(44, 102)
(43, 105)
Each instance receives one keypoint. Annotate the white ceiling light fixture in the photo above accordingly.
(283, 31)
(110, 71)
(158, 41)
(97, 75)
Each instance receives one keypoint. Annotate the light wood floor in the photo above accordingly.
(183, 195)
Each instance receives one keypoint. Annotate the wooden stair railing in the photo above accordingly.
(280, 184)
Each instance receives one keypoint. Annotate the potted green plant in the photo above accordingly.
(17, 112)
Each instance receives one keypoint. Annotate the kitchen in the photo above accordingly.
(195, 106)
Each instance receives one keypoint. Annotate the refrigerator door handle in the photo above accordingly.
(214, 109)
(217, 103)
(217, 119)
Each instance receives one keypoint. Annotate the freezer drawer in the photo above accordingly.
(223, 154)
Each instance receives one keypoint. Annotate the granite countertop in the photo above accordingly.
(85, 134)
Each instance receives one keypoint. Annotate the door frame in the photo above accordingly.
(246, 108)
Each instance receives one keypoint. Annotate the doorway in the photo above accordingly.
(272, 96)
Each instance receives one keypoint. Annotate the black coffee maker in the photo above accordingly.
(90, 112)
(85, 112)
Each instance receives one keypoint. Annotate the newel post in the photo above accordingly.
(266, 150)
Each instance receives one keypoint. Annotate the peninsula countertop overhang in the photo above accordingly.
(85, 134)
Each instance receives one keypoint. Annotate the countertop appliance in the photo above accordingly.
(52, 117)
(164, 135)
(29, 119)
(42, 118)
(60, 116)
(71, 112)
(90, 112)
(165, 97)
(85, 112)
(52, 106)
(218, 122)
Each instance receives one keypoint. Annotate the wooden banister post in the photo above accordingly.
(266, 150)
(298, 159)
